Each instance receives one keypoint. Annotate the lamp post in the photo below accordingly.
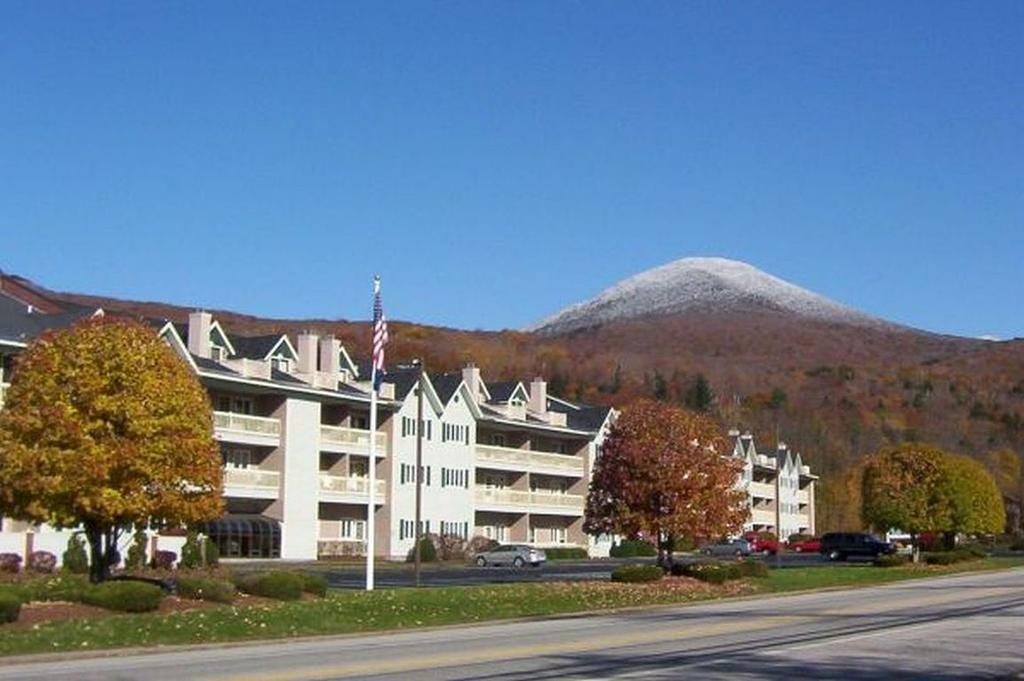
(419, 470)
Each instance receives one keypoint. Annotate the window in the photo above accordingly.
(560, 448)
(217, 353)
(358, 468)
(498, 440)
(238, 458)
(241, 405)
(360, 422)
(281, 364)
(560, 535)
(352, 530)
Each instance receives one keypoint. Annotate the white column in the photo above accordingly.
(300, 490)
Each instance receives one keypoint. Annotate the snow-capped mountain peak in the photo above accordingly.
(700, 284)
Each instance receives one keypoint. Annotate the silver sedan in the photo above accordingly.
(729, 547)
(516, 555)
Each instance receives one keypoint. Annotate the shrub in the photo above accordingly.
(278, 584)
(632, 548)
(637, 573)
(63, 587)
(449, 546)
(894, 560)
(428, 554)
(314, 584)
(712, 573)
(163, 560)
(124, 596)
(42, 562)
(10, 562)
(201, 589)
(952, 557)
(480, 544)
(565, 553)
(10, 608)
(136, 558)
(76, 560)
(212, 553)
(191, 553)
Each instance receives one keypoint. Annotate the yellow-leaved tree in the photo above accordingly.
(105, 428)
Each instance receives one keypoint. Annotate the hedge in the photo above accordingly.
(314, 584)
(630, 548)
(278, 584)
(10, 608)
(428, 552)
(637, 573)
(952, 557)
(124, 596)
(200, 589)
(889, 561)
(713, 573)
(566, 553)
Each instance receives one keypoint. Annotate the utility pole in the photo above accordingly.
(419, 470)
(778, 508)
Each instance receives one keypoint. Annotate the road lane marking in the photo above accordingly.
(496, 654)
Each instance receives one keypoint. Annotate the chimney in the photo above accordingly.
(734, 433)
(539, 396)
(307, 352)
(330, 353)
(199, 323)
(471, 375)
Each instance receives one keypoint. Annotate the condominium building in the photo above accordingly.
(504, 460)
(780, 488)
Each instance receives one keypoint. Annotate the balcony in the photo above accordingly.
(762, 516)
(3, 393)
(351, 441)
(764, 490)
(520, 501)
(251, 483)
(346, 490)
(509, 459)
(802, 497)
(246, 429)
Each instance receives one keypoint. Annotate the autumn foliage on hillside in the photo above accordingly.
(833, 392)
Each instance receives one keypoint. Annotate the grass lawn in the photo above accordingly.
(865, 574)
(356, 611)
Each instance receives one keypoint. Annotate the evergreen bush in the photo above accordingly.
(200, 589)
(75, 559)
(191, 553)
(278, 584)
(10, 608)
(633, 548)
(637, 574)
(136, 558)
(124, 596)
(428, 552)
(565, 553)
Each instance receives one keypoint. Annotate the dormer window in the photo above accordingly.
(516, 402)
(281, 364)
(217, 353)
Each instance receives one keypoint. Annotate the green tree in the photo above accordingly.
(663, 474)
(905, 487)
(699, 397)
(105, 428)
(976, 504)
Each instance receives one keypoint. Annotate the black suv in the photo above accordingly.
(842, 545)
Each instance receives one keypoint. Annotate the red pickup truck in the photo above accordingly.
(764, 543)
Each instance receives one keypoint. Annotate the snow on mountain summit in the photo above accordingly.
(700, 284)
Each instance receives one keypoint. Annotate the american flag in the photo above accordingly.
(380, 334)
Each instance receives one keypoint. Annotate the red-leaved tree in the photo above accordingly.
(665, 473)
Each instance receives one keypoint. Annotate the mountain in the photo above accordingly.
(835, 383)
(710, 285)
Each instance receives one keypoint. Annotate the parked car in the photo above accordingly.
(516, 555)
(807, 545)
(762, 542)
(843, 545)
(738, 547)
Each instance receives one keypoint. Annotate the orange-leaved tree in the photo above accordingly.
(105, 428)
(665, 473)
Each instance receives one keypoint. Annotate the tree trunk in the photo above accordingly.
(949, 539)
(99, 569)
(670, 544)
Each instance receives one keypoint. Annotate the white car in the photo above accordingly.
(516, 555)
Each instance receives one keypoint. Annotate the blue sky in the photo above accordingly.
(497, 161)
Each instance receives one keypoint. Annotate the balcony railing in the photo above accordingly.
(252, 478)
(3, 393)
(337, 484)
(353, 437)
(512, 497)
(765, 490)
(244, 423)
(525, 459)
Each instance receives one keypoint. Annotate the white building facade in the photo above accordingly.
(780, 489)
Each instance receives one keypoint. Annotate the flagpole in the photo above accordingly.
(373, 460)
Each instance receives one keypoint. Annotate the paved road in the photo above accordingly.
(353, 576)
(963, 627)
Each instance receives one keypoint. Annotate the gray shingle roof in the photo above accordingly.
(445, 385)
(254, 347)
